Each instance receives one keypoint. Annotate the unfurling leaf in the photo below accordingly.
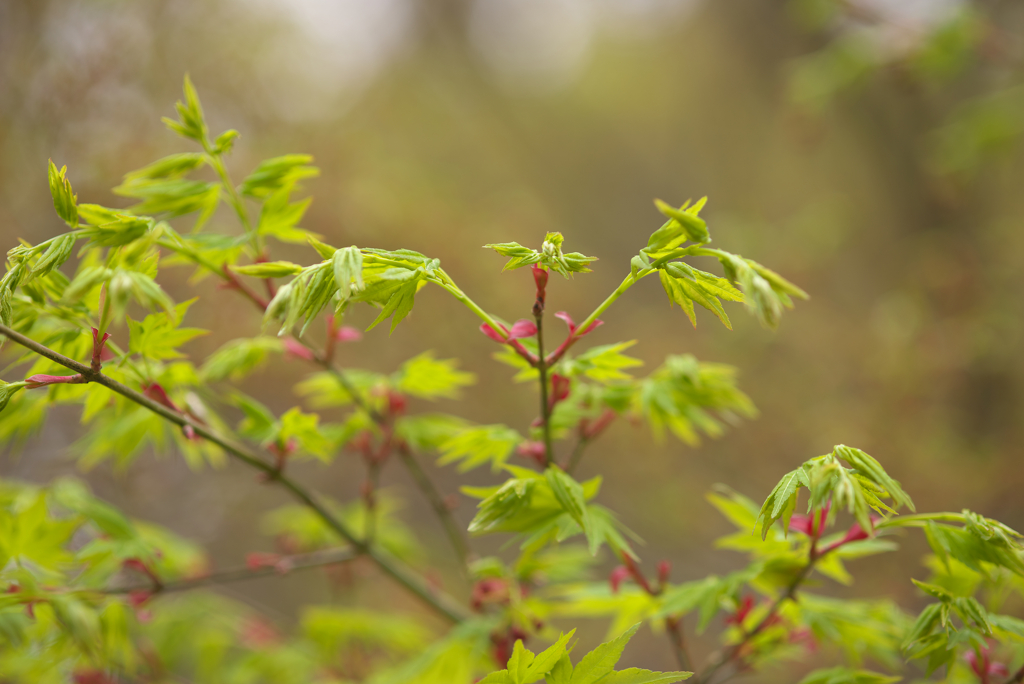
(268, 269)
(64, 199)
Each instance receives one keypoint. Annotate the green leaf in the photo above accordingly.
(190, 123)
(519, 256)
(782, 501)
(569, 494)
(238, 358)
(550, 256)
(399, 304)
(429, 378)
(546, 660)
(684, 222)
(685, 395)
(602, 659)
(519, 663)
(7, 391)
(604, 363)
(276, 174)
(268, 269)
(158, 336)
(348, 267)
(305, 430)
(57, 252)
(475, 446)
(561, 673)
(280, 217)
(65, 202)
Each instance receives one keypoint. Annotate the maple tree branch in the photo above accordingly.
(730, 655)
(283, 566)
(442, 603)
(437, 502)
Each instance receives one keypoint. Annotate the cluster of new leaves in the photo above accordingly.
(555, 666)
(85, 585)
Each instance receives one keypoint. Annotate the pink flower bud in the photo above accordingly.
(396, 403)
(664, 570)
(492, 333)
(572, 324)
(855, 533)
(804, 524)
(257, 560)
(347, 334)
(560, 387)
(522, 328)
(616, 578)
(155, 392)
(137, 598)
(40, 380)
(534, 451)
(540, 279)
(296, 349)
(742, 611)
(489, 590)
(99, 349)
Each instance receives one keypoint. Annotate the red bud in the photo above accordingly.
(522, 328)
(257, 560)
(40, 380)
(396, 403)
(492, 333)
(737, 618)
(533, 450)
(98, 349)
(664, 570)
(540, 279)
(296, 349)
(347, 334)
(618, 575)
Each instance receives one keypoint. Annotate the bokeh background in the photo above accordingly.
(864, 149)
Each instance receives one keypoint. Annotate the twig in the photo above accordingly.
(442, 603)
(542, 369)
(577, 454)
(442, 510)
(675, 630)
(730, 655)
(325, 360)
(284, 566)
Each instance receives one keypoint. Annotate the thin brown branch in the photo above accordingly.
(283, 566)
(542, 368)
(731, 654)
(442, 603)
(577, 454)
(674, 626)
(437, 502)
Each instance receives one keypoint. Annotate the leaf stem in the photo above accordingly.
(442, 603)
(627, 283)
(235, 200)
(470, 304)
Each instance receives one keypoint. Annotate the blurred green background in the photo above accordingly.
(865, 150)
